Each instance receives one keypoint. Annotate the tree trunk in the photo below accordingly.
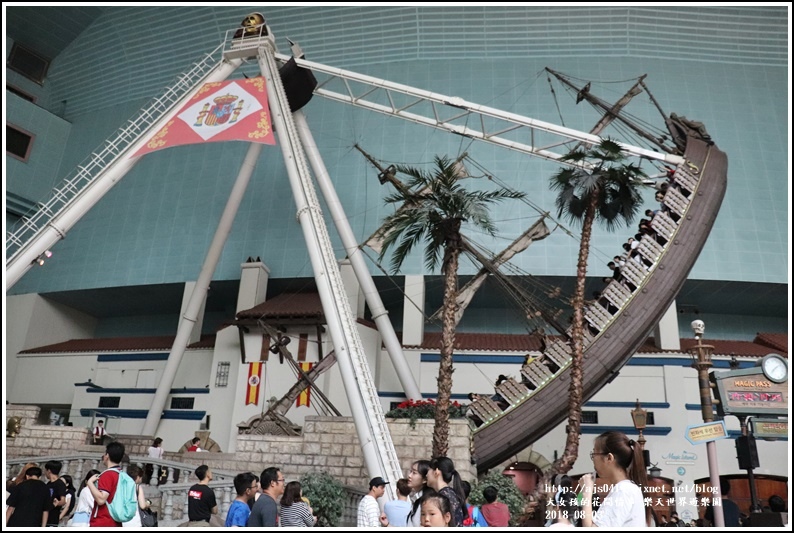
(564, 464)
(571, 452)
(450, 267)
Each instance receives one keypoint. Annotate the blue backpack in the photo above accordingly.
(124, 505)
(475, 518)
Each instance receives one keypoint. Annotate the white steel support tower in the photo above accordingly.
(380, 457)
(379, 313)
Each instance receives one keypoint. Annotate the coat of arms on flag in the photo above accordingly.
(304, 397)
(233, 110)
(254, 380)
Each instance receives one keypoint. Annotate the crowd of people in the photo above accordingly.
(432, 495)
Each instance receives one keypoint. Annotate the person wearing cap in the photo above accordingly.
(368, 509)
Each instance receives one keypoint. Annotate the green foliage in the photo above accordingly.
(432, 206)
(508, 493)
(424, 409)
(326, 496)
(616, 184)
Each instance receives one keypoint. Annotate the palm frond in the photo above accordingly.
(430, 200)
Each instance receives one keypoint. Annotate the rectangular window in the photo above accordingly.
(589, 417)
(222, 374)
(109, 401)
(20, 93)
(28, 63)
(182, 403)
(650, 421)
(18, 142)
(205, 424)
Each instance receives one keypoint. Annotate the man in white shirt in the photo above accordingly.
(368, 509)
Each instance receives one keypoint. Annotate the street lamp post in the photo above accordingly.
(639, 417)
(701, 353)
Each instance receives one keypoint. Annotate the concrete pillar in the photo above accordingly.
(413, 311)
(253, 285)
(665, 334)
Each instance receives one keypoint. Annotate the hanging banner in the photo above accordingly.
(305, 396)
(254, 380)
(233, 110)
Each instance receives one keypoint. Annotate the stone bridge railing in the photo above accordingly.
(169, 499)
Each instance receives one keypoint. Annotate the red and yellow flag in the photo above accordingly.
(254, 380)
(234, 110)
(304, 397)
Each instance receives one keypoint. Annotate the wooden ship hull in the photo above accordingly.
(694, 197)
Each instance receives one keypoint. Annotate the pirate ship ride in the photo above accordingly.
(697, 186)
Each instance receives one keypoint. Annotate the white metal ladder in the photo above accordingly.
(25, 231)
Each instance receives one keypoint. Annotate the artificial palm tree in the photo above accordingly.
(601, 187)
(434, 205)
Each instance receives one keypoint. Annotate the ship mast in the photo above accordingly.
(614, 111)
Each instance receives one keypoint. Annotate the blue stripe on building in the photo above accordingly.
(168, 414)
(475, 358)
(596, 429)
(681, 361)
(131, 357)
(102, 390)
(629, 405)
(694, 407)
(519, 359)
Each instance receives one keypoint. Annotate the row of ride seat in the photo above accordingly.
(557, 356)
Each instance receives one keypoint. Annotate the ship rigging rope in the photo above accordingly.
(556, 101)
(522, 280)
(396, 285)
(601, 254)
(661, 133)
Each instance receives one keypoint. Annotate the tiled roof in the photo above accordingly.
(287, 305)
(497, 342)
(120, 344)
(776, 341)
(738, 348)
(524, 343)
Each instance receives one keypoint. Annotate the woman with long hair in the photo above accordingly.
(618, 461)
(444, 479)
(155, 452)
(136, 473)
(294, 511)
(417, 480)
(85, 502)
(71, 498)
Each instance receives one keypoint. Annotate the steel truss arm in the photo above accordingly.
(453, 114)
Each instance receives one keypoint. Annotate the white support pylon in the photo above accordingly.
(379, 313)
(378, 450)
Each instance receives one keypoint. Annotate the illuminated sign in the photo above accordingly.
(749, 392)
